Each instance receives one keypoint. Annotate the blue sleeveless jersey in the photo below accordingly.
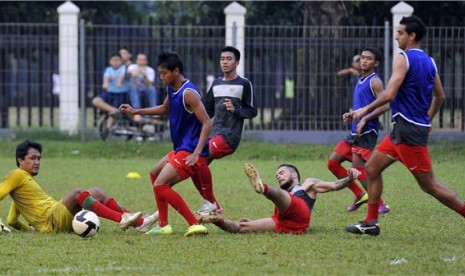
(364, 95)
(185, 128)
(416, 91)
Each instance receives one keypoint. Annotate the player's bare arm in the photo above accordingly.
(438, 97)
(318, 186)
(192, 100)
(162, 109)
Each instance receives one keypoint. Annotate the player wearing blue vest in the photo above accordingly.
(190, 127)
(357, 148)
(416, 94)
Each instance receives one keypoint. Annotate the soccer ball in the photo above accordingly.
(86, 223)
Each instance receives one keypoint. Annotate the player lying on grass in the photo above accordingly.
(293, 201)
(45, 214)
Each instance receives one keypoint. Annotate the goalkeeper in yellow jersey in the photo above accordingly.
(45, 214)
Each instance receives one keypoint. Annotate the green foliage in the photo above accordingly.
(419, 236)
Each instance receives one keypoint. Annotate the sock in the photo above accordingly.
(198, 183)
(162, 205)
(206, 183)
(172, 198)
(89, 203)
(462, 211)
(219, 222)
(112, 204)
(153, 177)
(372, 212)
(340, 172)
(265, 188)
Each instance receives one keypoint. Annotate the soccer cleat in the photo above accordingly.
(383, 209)
(207, 207)
(128, 219)
(254, 178)
(148, 222)
(211, 217)
(359, 201)
(158, 230)
(372, 229)
(195, 230)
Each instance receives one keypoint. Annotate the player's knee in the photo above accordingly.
(98, 194)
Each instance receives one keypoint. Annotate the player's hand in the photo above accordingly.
(190, 160)
(353, 173)
(4, 228)
(358, 114)
(126, 108)
(360, 126)
(229, 105)
(347, 117)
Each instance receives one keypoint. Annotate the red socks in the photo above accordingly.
(372, 212)
(112, 204)
(89, 203)
(340, 172)
(165, 195)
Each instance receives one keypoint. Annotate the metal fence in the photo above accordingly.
(293, 69)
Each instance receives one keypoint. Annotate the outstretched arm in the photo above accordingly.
(156, 110)
(313, 185)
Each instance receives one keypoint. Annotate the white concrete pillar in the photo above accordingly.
(68, 67)
(400, 10)
(235, 34)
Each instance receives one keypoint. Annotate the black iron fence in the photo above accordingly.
(293, 69)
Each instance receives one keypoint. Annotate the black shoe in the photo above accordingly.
(362, 227)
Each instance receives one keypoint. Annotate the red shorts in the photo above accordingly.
(347, 149)
(295, 220)
(218, 147)
(176, 159)
(415, 158)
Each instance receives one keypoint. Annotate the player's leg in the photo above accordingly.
(343, 152)
(280, 198)
(359, 158)
(81, 199)
(384, 155)
(157, 168)
(418, 161)
(173, 172)
(247, 226)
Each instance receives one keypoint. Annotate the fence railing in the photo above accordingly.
(292, 68)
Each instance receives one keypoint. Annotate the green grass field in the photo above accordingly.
(419, 235)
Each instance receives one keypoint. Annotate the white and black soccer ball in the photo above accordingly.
(86, 223)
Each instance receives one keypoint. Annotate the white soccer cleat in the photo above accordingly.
(148, 222)
(128, 219)
(207, 207)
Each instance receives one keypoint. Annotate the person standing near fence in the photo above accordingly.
(189, 127)
(229, 101)
(415, 93)
(358, 145)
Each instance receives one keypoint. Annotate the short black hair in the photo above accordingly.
(170, 60)
(292, 167)
(375, 52)
(23, 147)
(112, 55)
(414, 24)
(237, 54)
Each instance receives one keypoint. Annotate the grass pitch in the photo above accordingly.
(418, 236)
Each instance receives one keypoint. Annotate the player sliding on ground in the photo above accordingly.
(43, 213)
(293, 201)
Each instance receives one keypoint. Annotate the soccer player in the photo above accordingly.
(416, 94)
(229, 101)
(189, 127)
(44, 213)
(293, 201)
(358, 145)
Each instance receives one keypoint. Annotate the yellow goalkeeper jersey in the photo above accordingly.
(29, 200)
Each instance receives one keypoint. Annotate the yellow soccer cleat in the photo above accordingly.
(196, 229)
(165, 230)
